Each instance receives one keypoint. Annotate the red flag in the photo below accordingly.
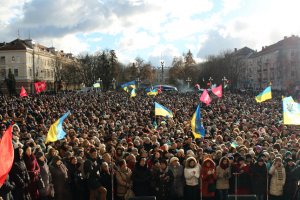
(217, 91)
(6, 154)
(23, 92)
(40, 86)
(205, 98)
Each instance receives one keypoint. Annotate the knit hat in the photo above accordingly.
(174, 159)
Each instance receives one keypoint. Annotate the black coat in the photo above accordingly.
(19, 175)
(6, 189)
(259, 179)
(163, 183)
(141, 179)
(92, 169)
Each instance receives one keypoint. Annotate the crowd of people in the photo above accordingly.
(116, 147)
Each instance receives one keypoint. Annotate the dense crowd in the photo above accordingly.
(116, 147)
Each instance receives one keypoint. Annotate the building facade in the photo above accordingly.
(278, 64)
(31, 62)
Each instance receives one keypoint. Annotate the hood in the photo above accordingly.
(187, 162)
(212, 163)
(221, 161)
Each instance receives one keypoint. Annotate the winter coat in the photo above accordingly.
(6, 189)
(33, 169)
(277, 180)
(92, 169)
(191, 175)
(124, 182)
(141, 180)
(178, 182)
(244, 180)
(60, 181)
(163, 183)
(19, 175)
(75, 180)
(106, 181)
(290, 185)
(259, 179)
(48, 190)
(208, 176)
(223, 175)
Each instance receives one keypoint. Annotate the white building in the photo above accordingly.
(30, 62)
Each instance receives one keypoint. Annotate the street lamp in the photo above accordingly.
(100, 82)
(162, 63)
(114, 83)
(224, 79)
(210, 81)
(188, 80)
(138, 80)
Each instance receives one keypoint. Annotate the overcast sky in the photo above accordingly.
(150, 29)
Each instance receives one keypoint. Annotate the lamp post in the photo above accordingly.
(99, 81)
(114, 83)
(162, 63)
(188, 80)
(224, 79)
(138, 80)
(210, 81)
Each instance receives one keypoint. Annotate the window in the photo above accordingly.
(16, 72)
(2, 60)
(13, 59)
(3, 73)
(18, 59)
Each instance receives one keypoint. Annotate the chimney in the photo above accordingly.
(285, 37)
(235, 49)
(263, 48)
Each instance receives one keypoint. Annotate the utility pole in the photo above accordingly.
(162, 70)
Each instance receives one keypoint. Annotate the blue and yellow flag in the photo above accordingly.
(162, 111)
(197, 127)
(128, 85)
(265, 95)
(56, 132)
(153, 92)
(133, 93)
(291, 111)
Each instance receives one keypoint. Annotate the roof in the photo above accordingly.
(15, 45)
(292, 42)
(245, 51)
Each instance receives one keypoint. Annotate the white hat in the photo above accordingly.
(174, 159)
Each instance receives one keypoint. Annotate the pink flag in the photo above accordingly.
(205, 98)
(217, 91)
(23, 92)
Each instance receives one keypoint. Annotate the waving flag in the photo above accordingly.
(56, 132)
(205, 98)
(265, 95)
(162, 111)
(96, 85)
(23, 92)
(153, 92)
(291, 111)
(40, 86)
(6, 155)
(197, 127)
(133, 93)
(217, 91)
(128, 85)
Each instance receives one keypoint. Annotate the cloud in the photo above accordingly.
(165, 53)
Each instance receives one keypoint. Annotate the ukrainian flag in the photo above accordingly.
(153, 92)
(291, 111)
(133, 93)
(162, 111)
(128, 85)
(197, 127)
(56, 132)
(265, 95)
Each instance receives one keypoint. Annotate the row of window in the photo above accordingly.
(40, 73)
